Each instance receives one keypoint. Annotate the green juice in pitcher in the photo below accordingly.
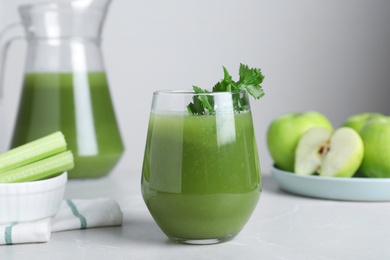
(79, 105)
(201, 174)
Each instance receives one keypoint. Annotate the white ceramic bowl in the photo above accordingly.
(27, 201)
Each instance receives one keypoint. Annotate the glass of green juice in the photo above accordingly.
(201, 174)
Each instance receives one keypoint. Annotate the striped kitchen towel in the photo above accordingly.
(73, 214)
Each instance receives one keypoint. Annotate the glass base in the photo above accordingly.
(206, 241)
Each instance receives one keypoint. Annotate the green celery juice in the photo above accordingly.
(79, 105)
(201, 174)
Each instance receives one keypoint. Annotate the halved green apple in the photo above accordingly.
(334, 154)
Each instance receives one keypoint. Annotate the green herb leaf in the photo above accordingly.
(201, 102)
(225, 85)
(250, 80)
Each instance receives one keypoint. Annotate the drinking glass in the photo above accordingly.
(201, 174)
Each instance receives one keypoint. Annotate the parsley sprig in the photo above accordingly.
(250, 79)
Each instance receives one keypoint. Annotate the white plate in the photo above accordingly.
(353, 189)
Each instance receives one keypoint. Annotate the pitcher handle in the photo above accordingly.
(5, 42)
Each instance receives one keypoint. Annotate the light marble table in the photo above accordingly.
(283, 226)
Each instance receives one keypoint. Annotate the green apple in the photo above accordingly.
(332, 154)
(357, 121)
(284, 133)
(376, 139)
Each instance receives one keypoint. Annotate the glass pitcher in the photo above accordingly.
(65, 85)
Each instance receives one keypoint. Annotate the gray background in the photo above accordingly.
(332, 56)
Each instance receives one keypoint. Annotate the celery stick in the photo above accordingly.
(32, 151)
(45, 168)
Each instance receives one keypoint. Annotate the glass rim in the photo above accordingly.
(26, 7)
(191, 92)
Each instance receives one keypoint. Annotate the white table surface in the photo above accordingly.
(283, 226)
